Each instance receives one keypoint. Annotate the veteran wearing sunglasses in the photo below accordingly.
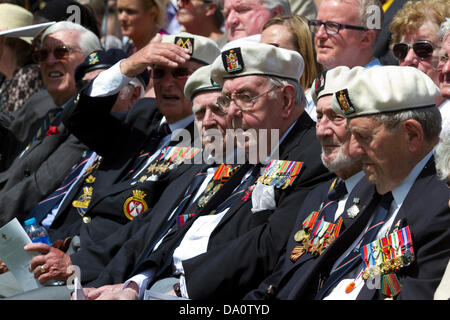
(415, 36)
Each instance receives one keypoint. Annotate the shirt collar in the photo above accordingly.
(351, 182)
(400, 192)
(374, 63)
(180, 124)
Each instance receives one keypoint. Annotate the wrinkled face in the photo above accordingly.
(427, 31)
(265, 111)
(244, 18)
(383, 153)
(210, 120)
(337, 49)
(333, 135)
(58, 75)
(279, 36)
(136, 22)
(169, 90)
(444, 68)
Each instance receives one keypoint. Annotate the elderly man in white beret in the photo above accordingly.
(397, 246)
(402, 251)
(235, 239)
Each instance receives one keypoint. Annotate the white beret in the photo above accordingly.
(332, 80)
(242, 58)
(385, 89)
(202, 49)
(200, 81)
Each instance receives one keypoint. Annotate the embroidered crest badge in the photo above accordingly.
(345, 102)
(93, 58)
(186, 43)
(232, 60)
(135, 204)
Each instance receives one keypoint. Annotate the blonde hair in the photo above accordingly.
(160, 5)
(415, 13)
(298, 27)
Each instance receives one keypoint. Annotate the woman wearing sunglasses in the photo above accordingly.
(415, 36)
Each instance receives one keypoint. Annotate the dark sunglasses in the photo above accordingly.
(423, 49)
(58, 52)
(177, 73)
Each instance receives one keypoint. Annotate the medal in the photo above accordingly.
(296, 253)
(301, 235)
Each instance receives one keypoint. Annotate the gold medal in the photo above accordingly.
(300, 235)
(209, 186)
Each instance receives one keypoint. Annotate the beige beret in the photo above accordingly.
(202, 49)
(243, 58)
(13, 16)
(385, 89)
(332, 80)
(200, 81)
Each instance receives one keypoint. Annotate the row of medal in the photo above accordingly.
(280, 173)
(388, 254)
(315, 236)
(170, 158)
(221, 175)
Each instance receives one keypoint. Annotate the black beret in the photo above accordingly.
(101, 59)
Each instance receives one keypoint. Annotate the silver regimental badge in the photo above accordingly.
(354, 209)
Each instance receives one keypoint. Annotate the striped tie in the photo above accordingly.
(43, 208)
(354, 257)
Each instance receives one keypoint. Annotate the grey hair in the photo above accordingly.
(442, 157)
(270, 4)
(300, 98)
(429, 118)
(87, 42)
(444, 28)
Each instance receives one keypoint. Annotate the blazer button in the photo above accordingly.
(27, 172)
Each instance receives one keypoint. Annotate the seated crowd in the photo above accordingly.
(204, 150)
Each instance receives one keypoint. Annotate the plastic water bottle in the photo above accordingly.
(36, 232)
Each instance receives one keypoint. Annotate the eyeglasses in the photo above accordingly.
(243, 101)
(58, 52)
(331, 27)
(177, 73)
(423, 49)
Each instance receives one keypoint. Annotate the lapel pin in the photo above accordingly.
(353, 211)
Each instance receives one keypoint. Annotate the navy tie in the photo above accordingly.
(149, 149)
(333, 197)
(354, 257)
(43, 208)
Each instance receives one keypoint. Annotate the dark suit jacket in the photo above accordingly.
(427, 214)
(17, 128)
(112, 259)
(120, 143)
(37, 173)
(262, 235)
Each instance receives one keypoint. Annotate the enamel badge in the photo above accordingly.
(232, 60)
(93, 58)
(135, 204)
(344, 101)
(186, 43)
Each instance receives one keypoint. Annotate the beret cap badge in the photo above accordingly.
(232, 60)
(186, 43)
(344, 101)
